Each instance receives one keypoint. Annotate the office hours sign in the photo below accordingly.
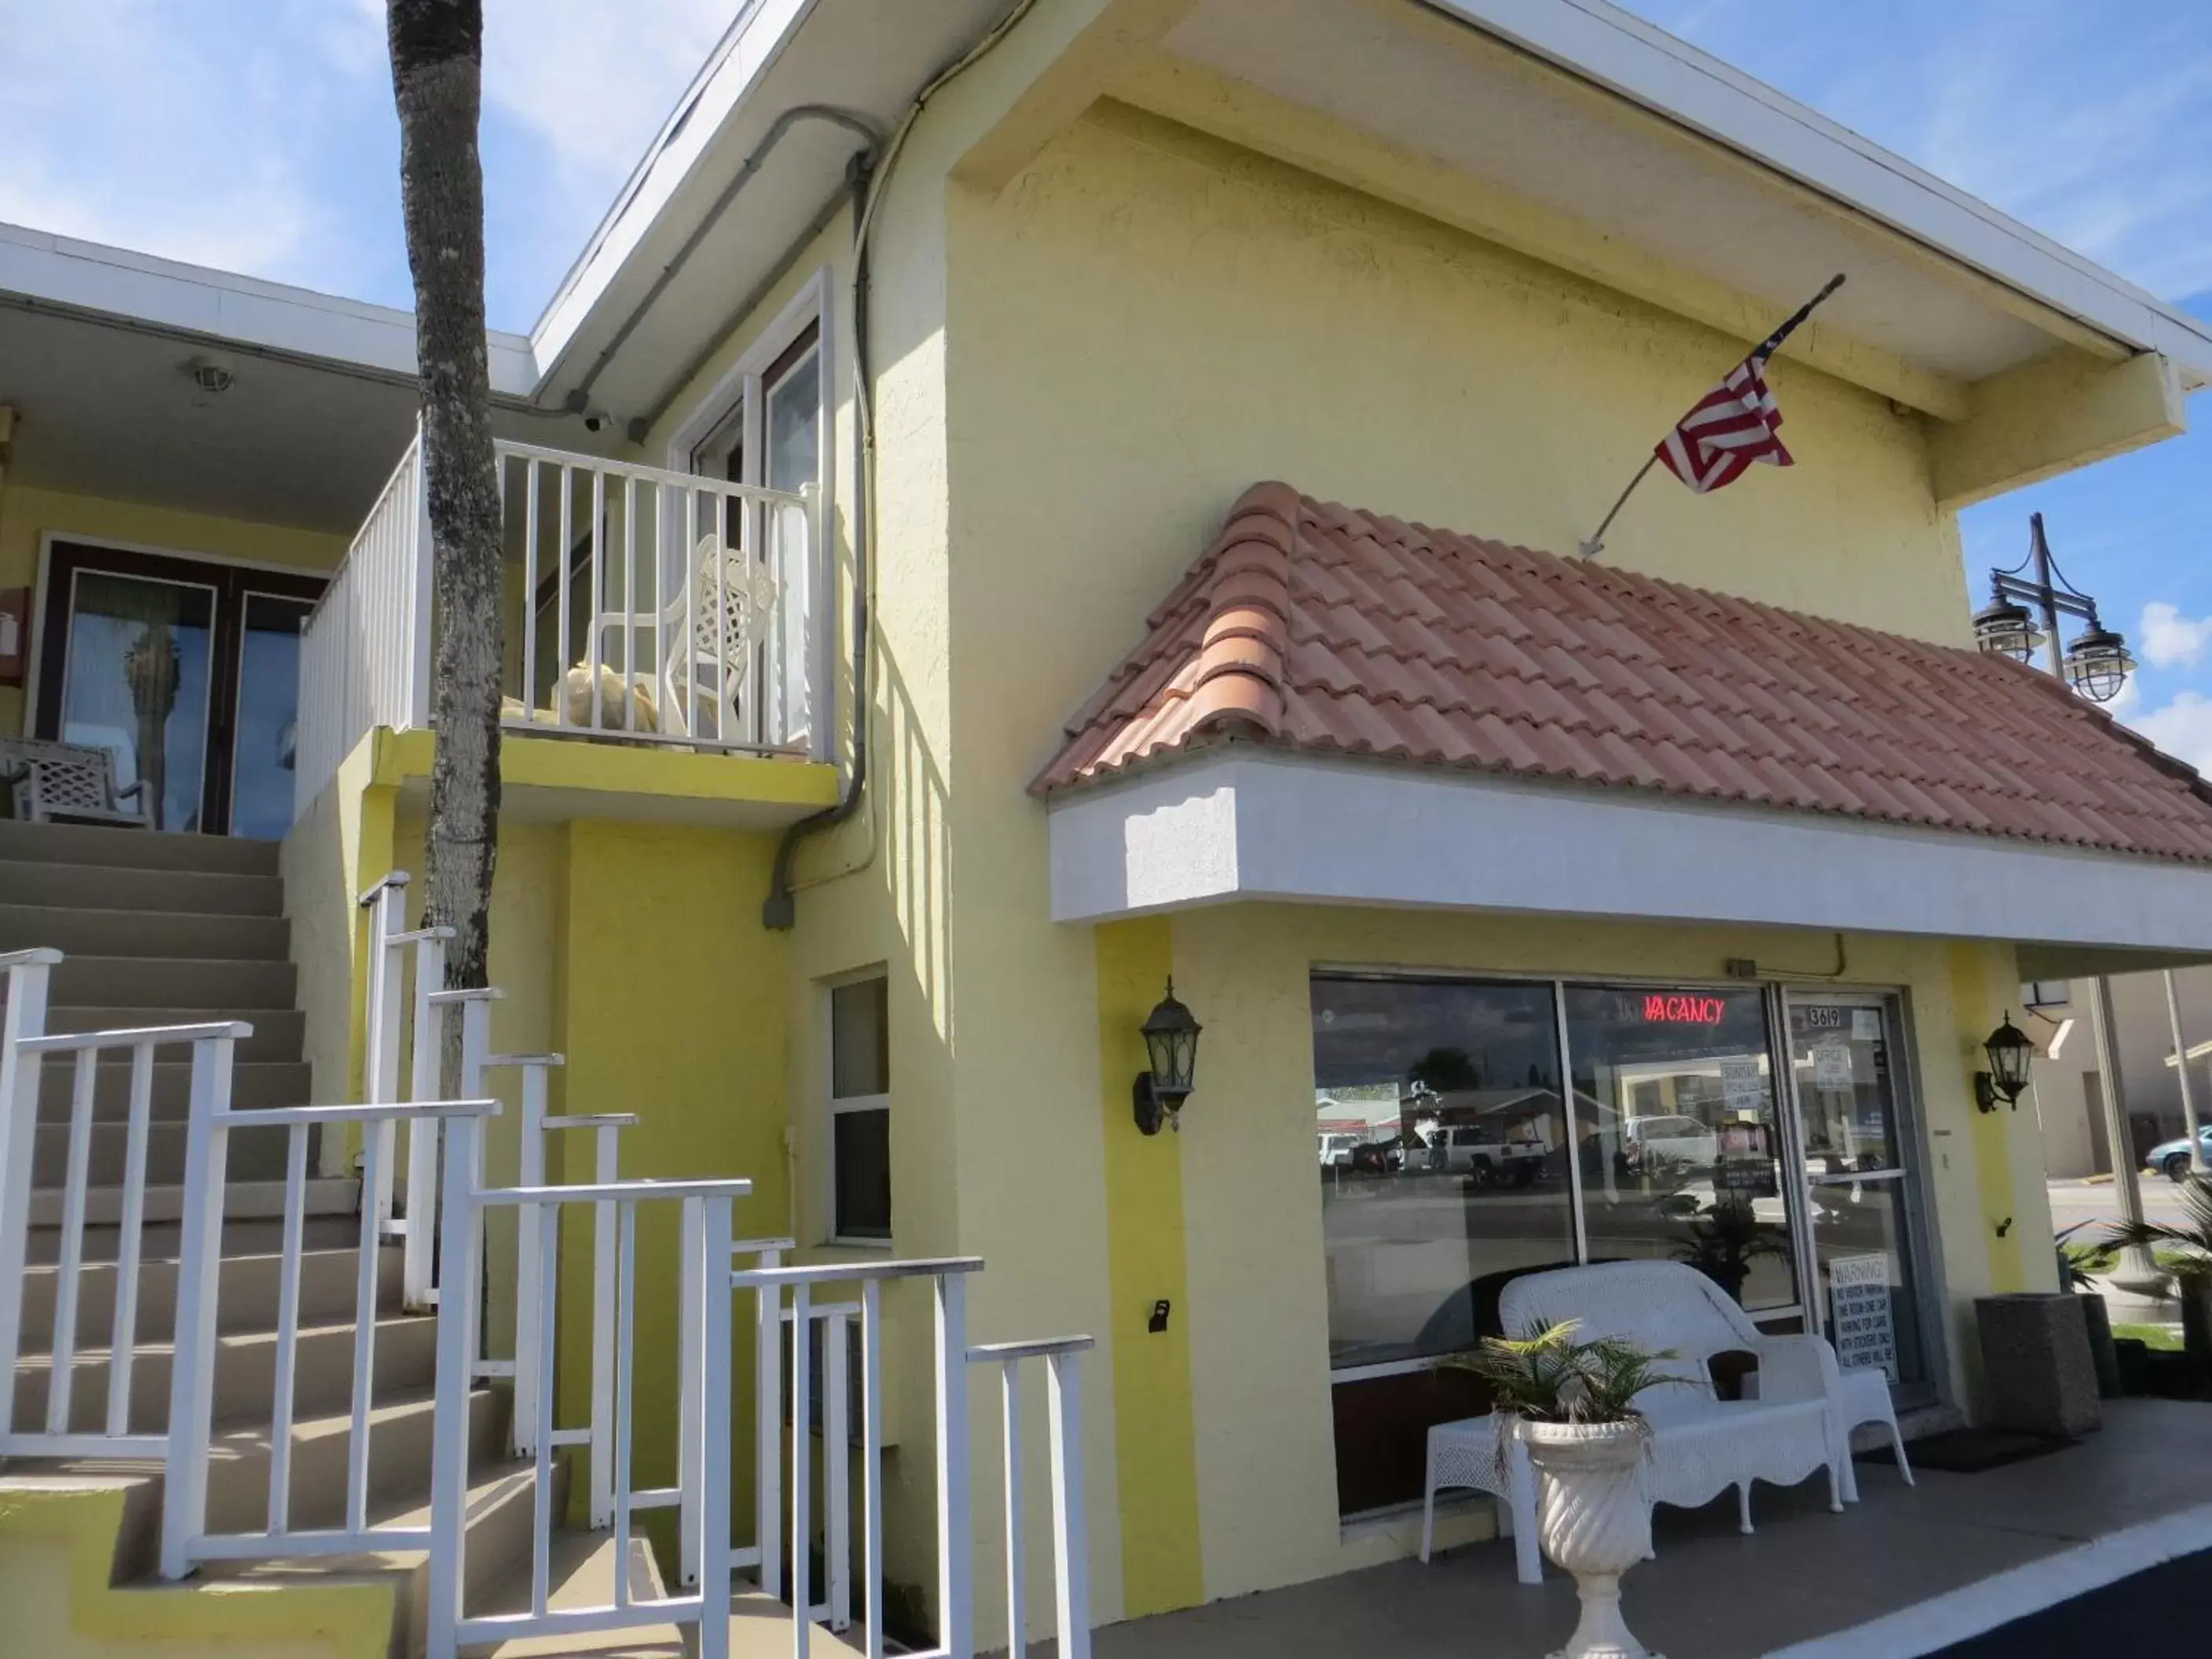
(1861, 1320)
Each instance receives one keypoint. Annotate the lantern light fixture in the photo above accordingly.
(2023, 613)
(1170, 1033)
(2010, 1051)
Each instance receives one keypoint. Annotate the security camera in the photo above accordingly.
(597, 420)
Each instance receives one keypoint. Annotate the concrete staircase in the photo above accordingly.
(172, 929)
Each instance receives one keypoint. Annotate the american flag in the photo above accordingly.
(1731, 427)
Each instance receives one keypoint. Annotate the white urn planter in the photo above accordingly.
(1594, 1520)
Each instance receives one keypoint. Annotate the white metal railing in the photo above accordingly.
(186, 1538)
(658, 607)
(772, 1286)
(61, 1434)
(701, 1494)
(365, 647)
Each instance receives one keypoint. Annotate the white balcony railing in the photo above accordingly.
(644, 606)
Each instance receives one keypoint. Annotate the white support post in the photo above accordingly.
(956, 1534)
(449, 1432)
(838, 1470)
(376, 1152)
(713, 1288)
(871, 1463)
(767, 1428)
(386, 903)
(625, 1400)
(420, 624)
(122, 1334)
(1071, 1560)
(1010, 1402)
(690, 1360)
(287, 1329)
(528, 1266)
(417, 1266)
(603, 1366)
(199, 1263)
(25, 1016)
(802, 1521)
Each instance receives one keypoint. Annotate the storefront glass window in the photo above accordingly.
(1681, 1149)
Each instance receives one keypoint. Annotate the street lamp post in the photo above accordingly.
(2096, 666)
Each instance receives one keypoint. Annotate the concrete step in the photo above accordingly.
(79, 931)
(243, 990)
(280, 1035)
(501, 1508)
(254, 1084)
(398, 1462)
(581, 1567)
(246, 1297)
(254, 1154)
(245, 1236)
(241, 1200)
(135, 849)
(102, 886)
(245, 1375)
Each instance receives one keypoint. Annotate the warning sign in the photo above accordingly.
(1859, 1313)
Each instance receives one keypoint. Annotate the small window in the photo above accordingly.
(859, 1111)
(2046, 992)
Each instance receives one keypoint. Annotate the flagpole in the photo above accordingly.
(1764, 349)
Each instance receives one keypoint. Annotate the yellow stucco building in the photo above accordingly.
(1464, 1013)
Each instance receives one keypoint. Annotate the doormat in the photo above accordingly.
(1969, 1451)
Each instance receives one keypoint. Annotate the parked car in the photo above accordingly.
(1668, 1140)
(1336, 1149)
(2170, 1159)
(1483, 1155)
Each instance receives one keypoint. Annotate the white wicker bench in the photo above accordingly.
(1701, 1445)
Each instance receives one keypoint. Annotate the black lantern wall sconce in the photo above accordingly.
(2009, 1050)
(1171, 1051)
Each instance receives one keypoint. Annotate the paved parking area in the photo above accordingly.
(1807, 1576)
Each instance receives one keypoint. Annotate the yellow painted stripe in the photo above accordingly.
(1971, 1011)
(1156, 1464)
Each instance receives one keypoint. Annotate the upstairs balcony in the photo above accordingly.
(645, 609)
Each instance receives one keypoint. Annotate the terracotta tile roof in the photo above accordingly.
(1309, 626)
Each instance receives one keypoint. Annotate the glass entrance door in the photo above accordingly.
(186, 671)
(1861, 1222)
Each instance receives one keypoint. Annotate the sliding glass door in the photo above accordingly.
(186, 671)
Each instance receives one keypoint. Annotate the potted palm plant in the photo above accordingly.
(1573, 1404)
(1723, 1243)
(2183, 1249)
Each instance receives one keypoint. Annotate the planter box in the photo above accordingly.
(2038, 1377)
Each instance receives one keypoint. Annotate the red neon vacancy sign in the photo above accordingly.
(1662, 1008)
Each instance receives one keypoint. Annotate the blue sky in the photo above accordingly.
(257, 136)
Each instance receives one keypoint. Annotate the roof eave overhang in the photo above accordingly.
(1232, 824)
(138, 291)
(1610, 48)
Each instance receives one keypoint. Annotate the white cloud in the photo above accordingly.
(2169, 638)
(2183, 728)
(594, 82)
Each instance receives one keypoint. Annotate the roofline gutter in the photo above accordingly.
(853, 121)
(780, 910)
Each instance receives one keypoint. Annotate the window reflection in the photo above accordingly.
(1680, 1144)
(1441, 1137)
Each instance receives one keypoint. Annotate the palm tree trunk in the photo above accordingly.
(436, 79)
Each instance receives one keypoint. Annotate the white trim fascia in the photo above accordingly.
(97, 281)
(1236, 825)
(1604, 44)
(755, 38)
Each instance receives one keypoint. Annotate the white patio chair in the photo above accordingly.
(1701, 1445)
(70, 783)
(1465, 1454)
(716, 618)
